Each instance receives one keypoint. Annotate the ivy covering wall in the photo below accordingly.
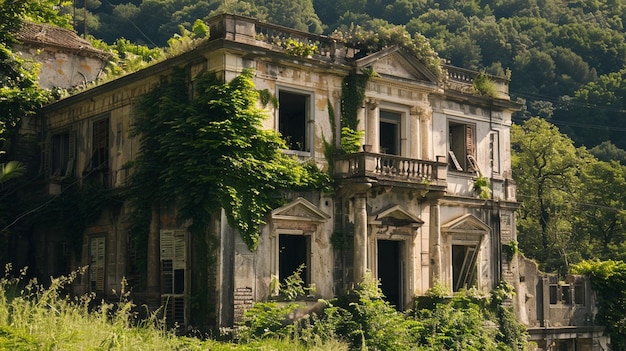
(209, 151)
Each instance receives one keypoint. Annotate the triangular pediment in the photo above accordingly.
(300, 210)
(398, 216)
(396, 62)
(466, 224)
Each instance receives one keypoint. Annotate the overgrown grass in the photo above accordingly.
(34, 317)
(38, 317)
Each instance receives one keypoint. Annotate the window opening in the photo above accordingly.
(461, 143)
(389, 130)
(464, 266)
(390, 271)
(554, 293)
(566, 294)
(100, 147)
(293, 252)
(292, 119)
(97, 246)
(60, 155)
(579, 294)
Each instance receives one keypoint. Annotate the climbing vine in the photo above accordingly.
(209, 151)
(352, 96)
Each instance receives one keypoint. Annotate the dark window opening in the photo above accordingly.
(464, 268)
(292, 119)
(390, 271)
(100, 145)
(292, 253)
(60, 155)
(579, 294)
(566, 294)
(553, 290)
(389, 132)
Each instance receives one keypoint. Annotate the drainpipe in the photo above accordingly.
(495, 210)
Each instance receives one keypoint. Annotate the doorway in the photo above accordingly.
(391, 271)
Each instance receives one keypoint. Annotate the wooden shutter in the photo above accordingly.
(469, 140)
(97, 252)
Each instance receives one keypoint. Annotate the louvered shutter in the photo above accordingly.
(96, 265)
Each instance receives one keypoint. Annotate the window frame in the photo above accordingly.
(308, 120)
(97, 160)
(461, 153)
(62, 153)
(402, 121)
(307, 281)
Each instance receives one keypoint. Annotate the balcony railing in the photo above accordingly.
(390, 167)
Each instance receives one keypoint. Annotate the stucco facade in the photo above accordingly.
(406, 204)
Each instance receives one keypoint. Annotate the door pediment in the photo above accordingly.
(300, 210)
(398, 217)
(466, 224)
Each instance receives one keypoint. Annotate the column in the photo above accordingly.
(426, 133)
(435, 241)
(360, 237)
(372, 134)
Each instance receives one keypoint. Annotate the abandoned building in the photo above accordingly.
(407, 201)
(65, 60)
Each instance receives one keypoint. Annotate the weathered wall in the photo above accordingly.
(62, 69)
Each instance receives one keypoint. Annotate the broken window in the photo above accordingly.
(173, 250)
(62, 155)
(294, 251)
(97, 251)
(464, 270)
(461, 143)
(390, 129)
(293, 118)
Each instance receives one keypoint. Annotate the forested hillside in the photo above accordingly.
(567, 59)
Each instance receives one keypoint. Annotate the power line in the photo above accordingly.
(583, 204)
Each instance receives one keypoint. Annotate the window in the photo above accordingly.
(97, 251)
(390, 132)
(293, 118)
(294, 251)
(579, 294)
(173, 274)
(562, 293)
(494, 151)
(461, 143)
(464, 266)
(100, 145)
(62, 155)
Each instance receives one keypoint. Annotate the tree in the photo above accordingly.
(607, 151)
(601, 219)
(608, 280)
(545, 166)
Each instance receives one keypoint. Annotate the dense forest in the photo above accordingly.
(566, 59)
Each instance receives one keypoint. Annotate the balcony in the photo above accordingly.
(393, 170)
